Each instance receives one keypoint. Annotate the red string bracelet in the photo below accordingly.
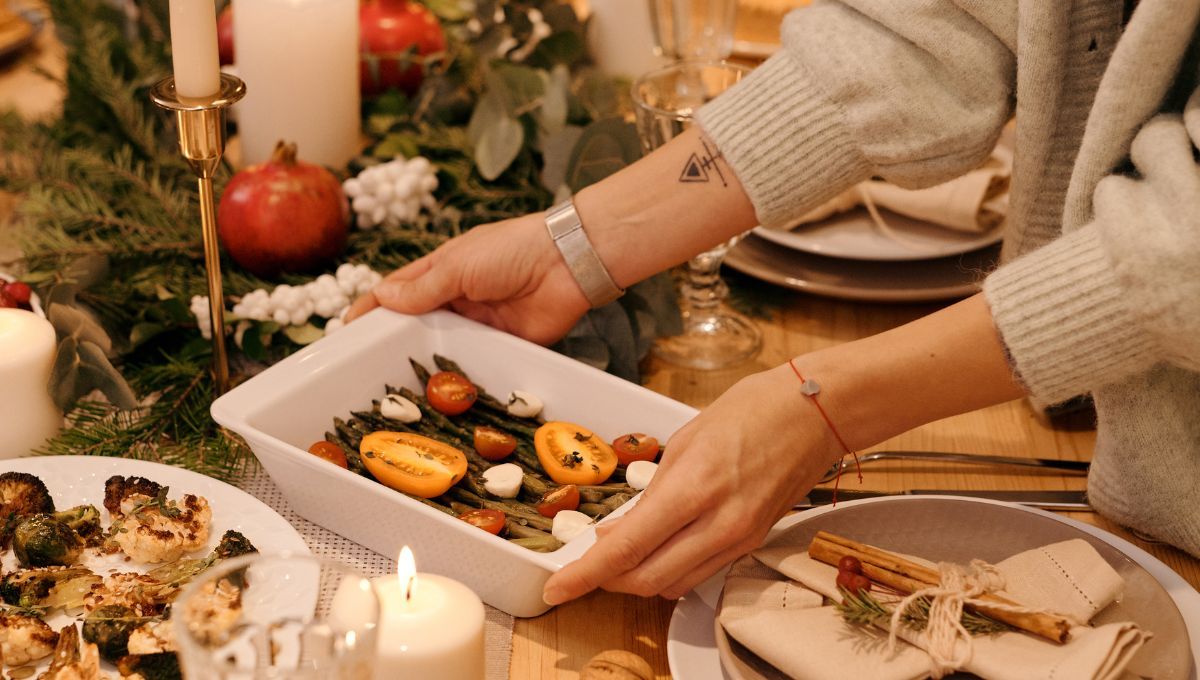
(811, 389)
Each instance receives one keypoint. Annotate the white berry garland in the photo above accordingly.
(392, 193)
(327, 296)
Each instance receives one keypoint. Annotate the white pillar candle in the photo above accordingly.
(194, 47)
(299, 59)
(621, 38)
(431, 626)
(28, 415)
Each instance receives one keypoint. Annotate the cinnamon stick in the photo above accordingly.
(907, 576)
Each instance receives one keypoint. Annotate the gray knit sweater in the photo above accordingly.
(1100, 287)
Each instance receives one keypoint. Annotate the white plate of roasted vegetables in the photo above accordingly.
(95, 550)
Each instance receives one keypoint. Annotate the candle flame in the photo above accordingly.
(406, 568)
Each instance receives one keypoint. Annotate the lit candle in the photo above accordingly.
(299, 59)
(28, 415)
(194, 47)
(432, 626)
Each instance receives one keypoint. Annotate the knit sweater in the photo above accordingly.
(1099, 286)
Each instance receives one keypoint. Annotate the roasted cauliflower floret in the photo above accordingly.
(143, 594)
(70, 661)
(24, 639)
(214, 611)
(152, 638)
(155, 529)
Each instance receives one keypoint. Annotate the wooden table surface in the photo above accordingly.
(557, 644)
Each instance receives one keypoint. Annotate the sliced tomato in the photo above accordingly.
(450, 393)
(573, 454)
(411, 463)
(330, 452)
(491, 521)
(556, 500)
(493, 444)
(636, 446)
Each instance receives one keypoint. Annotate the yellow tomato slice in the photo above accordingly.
(572, 454)
(411, 463)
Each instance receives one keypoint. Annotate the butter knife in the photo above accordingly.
(1046, 500)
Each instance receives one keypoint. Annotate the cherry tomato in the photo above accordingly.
(556, 500)
(572, 454)
(851, 564)
(491, 521)
(330, 452)
(450, 393)
(493, 444)
(412, 463)
(636, 446)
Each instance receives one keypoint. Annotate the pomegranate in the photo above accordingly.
(225, 35)
(387, 28)
(283, 215)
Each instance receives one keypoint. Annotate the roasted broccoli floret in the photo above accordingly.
(160, 666)
(43, 541)
(109, 627)
(83, 520)
(233, 544)
(21, 495)
(118, 488)
(29, 588)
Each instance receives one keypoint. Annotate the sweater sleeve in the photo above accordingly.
(1122, 293)
(915, 92)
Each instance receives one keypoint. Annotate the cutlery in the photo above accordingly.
(1046, 500)
(1073, 467)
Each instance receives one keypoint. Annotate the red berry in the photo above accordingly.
(860, 584)
(851, 564)
(18, 292)
(845, 579)
(6, 301)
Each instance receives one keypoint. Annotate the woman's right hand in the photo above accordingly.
(508, 275)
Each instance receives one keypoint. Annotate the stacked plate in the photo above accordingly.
(848, 256)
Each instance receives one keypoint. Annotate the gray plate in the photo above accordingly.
(959, 531)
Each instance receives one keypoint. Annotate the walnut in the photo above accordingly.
(616, 664)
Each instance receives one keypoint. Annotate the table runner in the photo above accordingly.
(497, 632)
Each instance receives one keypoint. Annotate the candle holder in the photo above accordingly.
(201, 123)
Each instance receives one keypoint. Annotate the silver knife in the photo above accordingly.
(1046, 500)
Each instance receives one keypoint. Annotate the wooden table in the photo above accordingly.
(559, 643)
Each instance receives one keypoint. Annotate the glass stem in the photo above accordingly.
(704, 290)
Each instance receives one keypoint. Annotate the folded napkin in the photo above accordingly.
(976, 202)
(786, 625)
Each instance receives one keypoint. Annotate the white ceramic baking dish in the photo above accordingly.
(287, 407)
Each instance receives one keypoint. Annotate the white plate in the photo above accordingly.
(917, 281)
(855, 236)
(691, 645)
(76, 480)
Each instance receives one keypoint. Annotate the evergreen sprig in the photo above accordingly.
(863, 609)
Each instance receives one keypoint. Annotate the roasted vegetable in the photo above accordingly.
(109, 627)
(21, 495)
(25, 638)
(43, 541)
(29, 588)
(70, 661)
(233, 544)
(160, 666)
(118, 488)
(83, 520)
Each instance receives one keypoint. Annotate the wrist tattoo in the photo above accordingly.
(702, 165)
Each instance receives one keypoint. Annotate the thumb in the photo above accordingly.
(424, 293)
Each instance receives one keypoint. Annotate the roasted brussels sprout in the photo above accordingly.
(83, 520)
(29, 588)
(43, 541)
(160, 666)
(233, 544)
(21, 495)
(109, 627)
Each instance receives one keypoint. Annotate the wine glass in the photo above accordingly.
(693, 29)
(714, 336)
(256, 616)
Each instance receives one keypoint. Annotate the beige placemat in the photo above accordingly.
(498, 627)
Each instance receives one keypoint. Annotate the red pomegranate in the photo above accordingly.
(225, 35)
(283, 215)
(387, 28)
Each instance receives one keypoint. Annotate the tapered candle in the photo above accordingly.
(194, 47)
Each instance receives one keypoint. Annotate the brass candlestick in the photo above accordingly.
(201, 123)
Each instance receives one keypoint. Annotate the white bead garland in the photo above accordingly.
(327, 296)
(392, 193)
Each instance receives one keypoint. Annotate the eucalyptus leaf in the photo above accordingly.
(552, 114)
(87, 270)
(64, 374)
(556, 155)
(522, 85)
(97, 373)
(252, 344)
(488, 111)
(75, 323)
(304, 335)
(498, 146)
(605, 147)
(144, 332)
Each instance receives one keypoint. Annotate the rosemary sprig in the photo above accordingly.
(862, 609)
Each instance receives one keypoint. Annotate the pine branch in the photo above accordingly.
(862, 609)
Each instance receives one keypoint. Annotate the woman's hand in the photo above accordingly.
(508, 275)
(725, 478)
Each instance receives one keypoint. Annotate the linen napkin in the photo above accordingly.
(794, 633)
(976, 202)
